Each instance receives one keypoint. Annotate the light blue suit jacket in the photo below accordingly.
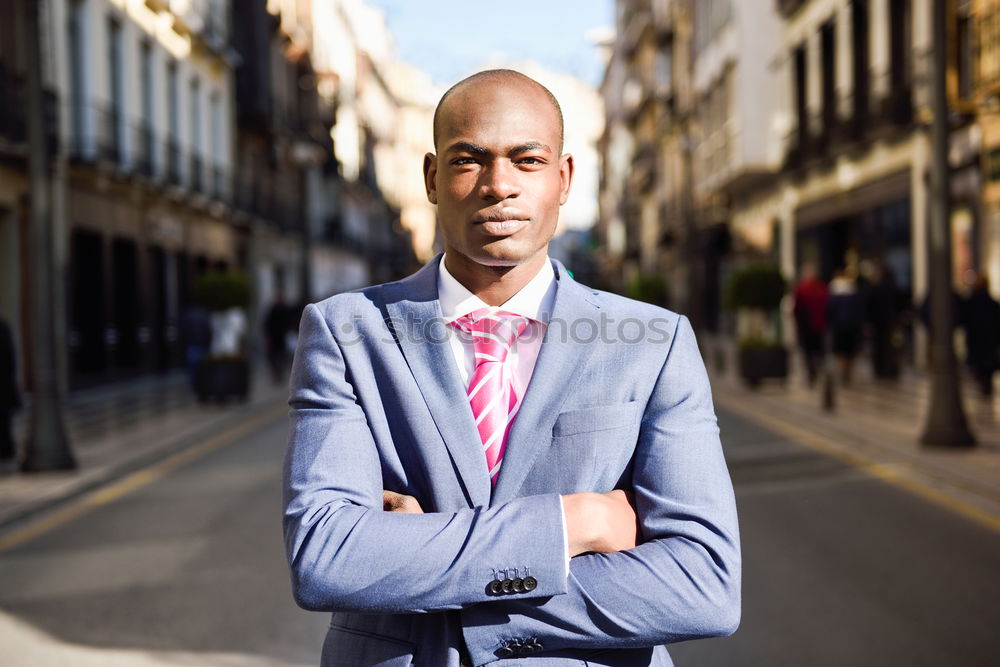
(377, 403)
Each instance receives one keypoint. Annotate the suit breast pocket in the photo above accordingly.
(597, 418)
(589, 443)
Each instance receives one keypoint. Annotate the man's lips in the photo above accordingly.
(500, 222)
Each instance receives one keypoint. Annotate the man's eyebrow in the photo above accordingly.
(467, 147)
(530, 146)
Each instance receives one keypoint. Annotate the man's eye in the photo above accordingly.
(463, 160)
(530, 160)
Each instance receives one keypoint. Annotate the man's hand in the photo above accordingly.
(601, 522)
(397, 502)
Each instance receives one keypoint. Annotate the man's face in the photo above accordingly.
(498, 178)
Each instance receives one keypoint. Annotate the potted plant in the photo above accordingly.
(755, 292)
(650, 288)
(225, 371)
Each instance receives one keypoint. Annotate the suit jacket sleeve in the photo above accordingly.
(346, 553)
(683, 581)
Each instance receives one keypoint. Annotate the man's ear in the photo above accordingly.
(566, 167)
(430, 172)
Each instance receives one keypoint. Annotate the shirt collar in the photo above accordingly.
(533, 301)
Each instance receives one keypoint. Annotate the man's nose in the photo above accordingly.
(499, 181)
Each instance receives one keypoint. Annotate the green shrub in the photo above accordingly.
(222, 291)
(650, 288)
(756, 286)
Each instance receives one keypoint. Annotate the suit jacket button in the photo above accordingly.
(496, 587)
(518, 585)
(530, 583)
(507, 585)
(505, 652)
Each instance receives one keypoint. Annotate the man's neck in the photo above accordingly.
(494, 284)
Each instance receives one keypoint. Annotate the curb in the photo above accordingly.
(974, 499)
(81, 482)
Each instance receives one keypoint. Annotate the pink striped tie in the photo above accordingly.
(491, 388)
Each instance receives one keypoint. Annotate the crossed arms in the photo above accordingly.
(595, 522)
(682, 581)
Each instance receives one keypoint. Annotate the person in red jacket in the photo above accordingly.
(811, 295)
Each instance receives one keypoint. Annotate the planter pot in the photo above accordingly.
(760, 363)
(222, 379)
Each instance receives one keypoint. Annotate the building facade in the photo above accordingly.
(808, 135)
(186, 136)
(146, 98)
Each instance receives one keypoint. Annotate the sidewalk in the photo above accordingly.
(876, 425)
(121, 428)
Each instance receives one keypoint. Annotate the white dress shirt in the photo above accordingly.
(534, 301)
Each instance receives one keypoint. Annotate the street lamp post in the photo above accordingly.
(48, 445)
(946, 425)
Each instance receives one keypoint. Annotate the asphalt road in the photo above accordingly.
(189, 569)
(839, 569)
(842, 569)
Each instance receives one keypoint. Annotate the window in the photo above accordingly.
(195, 132)
(900, 67)
(829, 74)
(145, 147)
(799, 86)
(963, 46)
(900, 51)
(215, 111)
(173, 125)
(860, 65)
(173, 101)
(77, 60)
(114, 121)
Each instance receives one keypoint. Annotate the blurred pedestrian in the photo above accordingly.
(10, 397)
(883, 304)
(981, 320)
(845, 313)
(196, 331)
(926, 318)
(277, 324)
(810, 297)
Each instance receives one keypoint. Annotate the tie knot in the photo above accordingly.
(493, 332)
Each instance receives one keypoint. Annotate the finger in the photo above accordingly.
(391, 500)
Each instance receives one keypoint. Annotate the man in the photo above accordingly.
(555, 483)
(810, 297)
(980, 317)
(276, 327)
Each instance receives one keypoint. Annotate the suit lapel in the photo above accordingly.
(559, 361)
(417, 323)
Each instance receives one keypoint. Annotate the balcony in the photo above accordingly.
(13, 118)
(173, 156)
(196, 174)
(143, 158)
(219, 186)
(109, 131)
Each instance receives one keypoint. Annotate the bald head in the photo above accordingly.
(495, 77)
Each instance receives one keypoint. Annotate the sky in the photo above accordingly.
(449, 38)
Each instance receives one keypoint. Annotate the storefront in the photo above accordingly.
(133, 257)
